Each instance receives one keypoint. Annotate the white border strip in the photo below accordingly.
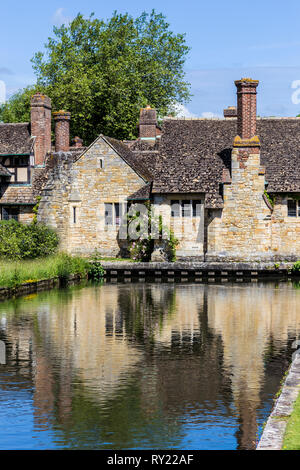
(272, 437)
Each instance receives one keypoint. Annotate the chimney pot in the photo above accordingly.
(77, 142)
(62, 130)
(246, 108)
(41, 126)
(230, 112)
(148, 124)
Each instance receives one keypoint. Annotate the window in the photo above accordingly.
(175, 208)
(101, 163)
(19, 166)
(113, 213)
(108, 213)
(9, 213)
(293, 208)
(186, 208)
(74, 215)
(117, 213)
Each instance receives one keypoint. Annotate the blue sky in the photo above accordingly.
(228, 39)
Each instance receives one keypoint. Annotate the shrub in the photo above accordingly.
(21, 241)
(270, 198)
(68, 265)
(296, 267)
(95, 269)
(142, 248)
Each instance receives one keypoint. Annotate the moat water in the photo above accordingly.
(144, 366)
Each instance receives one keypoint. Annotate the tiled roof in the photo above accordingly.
(24, 194)
(280, 153)
(15, 139)
(195, 153)
(193, 157)
(13, 194)
(141, 194)
(132, 158)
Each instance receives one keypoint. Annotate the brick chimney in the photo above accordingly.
(77, 142)
(148, 124)
(41, 126)
(246, 112)
(230, 112)
(62, 131)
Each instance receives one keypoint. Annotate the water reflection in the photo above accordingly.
(144, 365)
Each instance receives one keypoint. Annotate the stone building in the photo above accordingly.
(229, 188)
(24, 150)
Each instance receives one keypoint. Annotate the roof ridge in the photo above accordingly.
(14, 123)
(228, 119)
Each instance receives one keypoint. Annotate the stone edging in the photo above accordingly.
(272, 437)
(198, 271)
(33, 287)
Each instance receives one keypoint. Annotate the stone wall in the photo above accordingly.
(285, 231)
(242, 231)
(246, 229)
(188, 230)
(26, 215)
(99, 176)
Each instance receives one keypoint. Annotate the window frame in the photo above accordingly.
(184, 213)
(74, 215)
(14, 164)
(116, 214)
(11, 216)
(296, 211)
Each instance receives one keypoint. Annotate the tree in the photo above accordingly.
(17, 109)
(103, 72)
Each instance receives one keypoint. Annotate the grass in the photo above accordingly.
(107, 258)
(291, 439)
(14, 273)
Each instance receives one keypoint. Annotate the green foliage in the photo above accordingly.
(68, 265)
(103, 72)
(142, 248)
(18, 241)
(95, 269)
(36, 209)
(296, 267)
(17, 108)
(14, 273)
(271, 199)
(15, 279)
(170, 241)
(291, 440)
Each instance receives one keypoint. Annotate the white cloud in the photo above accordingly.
(2, 92)
(59, 18)
(182, 111)
(209, 115)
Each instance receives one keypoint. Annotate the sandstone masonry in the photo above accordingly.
(228, 188)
